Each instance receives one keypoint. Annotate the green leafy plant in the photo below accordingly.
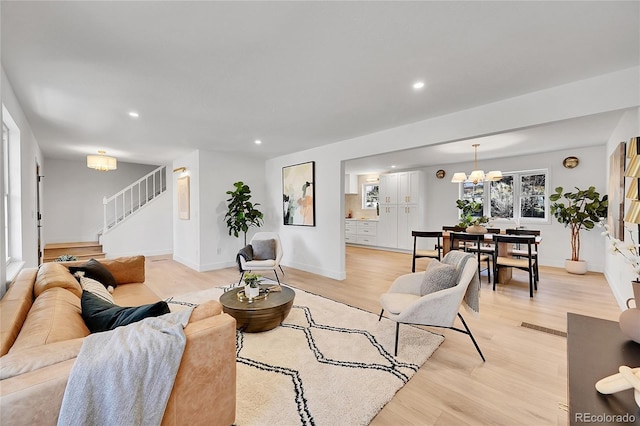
(242, 213)
(251, 280)
(66, 258)
(469, 210)
(578, 210)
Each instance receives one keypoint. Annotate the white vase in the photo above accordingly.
(251, 292)
(578, 267)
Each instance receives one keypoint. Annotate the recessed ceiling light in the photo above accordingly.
(257, 141)
(418, 85)
(393, 167)
(134, 114)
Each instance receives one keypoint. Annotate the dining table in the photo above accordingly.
(504, 273)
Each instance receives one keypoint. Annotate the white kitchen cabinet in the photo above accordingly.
(361, 232)
(388, 226)
(401, 209)
(351, 184)
(408, 187)
(350, 234)
(388, 190)
(409, 220)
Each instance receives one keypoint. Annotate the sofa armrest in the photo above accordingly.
(204, 391)
(205, 388)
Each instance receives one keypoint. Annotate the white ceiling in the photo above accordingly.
(218, 75)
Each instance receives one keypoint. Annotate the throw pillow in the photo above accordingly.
(263, 249)
(100, 315)
(438, 276)
(97, 271)
(94, 287)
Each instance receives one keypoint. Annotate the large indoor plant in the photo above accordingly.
(469, 218)
(578, 210)
(242, 213)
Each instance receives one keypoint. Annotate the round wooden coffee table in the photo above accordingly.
(260, 314)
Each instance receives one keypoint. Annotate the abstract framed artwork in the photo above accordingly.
(183, 198)
(298, 194)
(615, 214)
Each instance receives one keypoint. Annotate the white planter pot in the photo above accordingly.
(251, 292)
(578, 267)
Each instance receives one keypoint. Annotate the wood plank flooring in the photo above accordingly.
(524, 380)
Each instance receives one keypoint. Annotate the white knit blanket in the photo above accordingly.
(125, 376)
(472, 295)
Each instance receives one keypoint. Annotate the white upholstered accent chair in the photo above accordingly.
(258, 264)
(404, 304)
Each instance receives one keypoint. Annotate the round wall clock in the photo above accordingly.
(570, 162)
(440, 174)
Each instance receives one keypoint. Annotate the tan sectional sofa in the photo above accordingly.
(41, 332)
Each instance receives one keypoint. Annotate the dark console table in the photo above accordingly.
(595, 349)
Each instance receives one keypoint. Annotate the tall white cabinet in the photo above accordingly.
(402, 209)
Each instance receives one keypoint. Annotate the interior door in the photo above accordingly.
(38, 213)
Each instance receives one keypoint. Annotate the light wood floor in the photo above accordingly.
(524, 380)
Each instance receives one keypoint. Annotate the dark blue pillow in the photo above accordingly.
(96, 271)
(101, 315)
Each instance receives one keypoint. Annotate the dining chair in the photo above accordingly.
(519, 252)
(504, 260)
(464, 241)
(486, 247)
(436, 253)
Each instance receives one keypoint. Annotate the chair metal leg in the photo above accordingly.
(380, 317)
(241, 275)
(472, 338)
(397, 332)
(281, 270)
(531, 279)
(277, 278)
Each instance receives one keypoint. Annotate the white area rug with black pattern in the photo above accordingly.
(327, 364)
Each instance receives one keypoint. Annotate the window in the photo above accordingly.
(518, 196)
(370, 196)
(5, 190)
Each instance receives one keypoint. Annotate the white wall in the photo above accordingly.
(202, 242)
(618, 272)
(320, 249)
(29, 155)
(73, 209)
(149, 231)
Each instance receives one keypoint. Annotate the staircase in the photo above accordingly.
(120, 206)
(81, 250)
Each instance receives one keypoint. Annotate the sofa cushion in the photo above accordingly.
(54, 316)
(438, 276)
(263, 249)
(126, 269)
(97, 271)
(53, 274)
(95, 287)
(100, 315)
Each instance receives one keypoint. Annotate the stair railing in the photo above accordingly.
(120, 206)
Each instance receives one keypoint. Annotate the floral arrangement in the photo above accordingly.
(628, 250)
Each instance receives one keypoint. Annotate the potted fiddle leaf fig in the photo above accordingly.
(242, 213)
(578, 210)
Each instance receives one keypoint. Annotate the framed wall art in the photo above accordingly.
(615, 214)
(183, 198)
(298, 194)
